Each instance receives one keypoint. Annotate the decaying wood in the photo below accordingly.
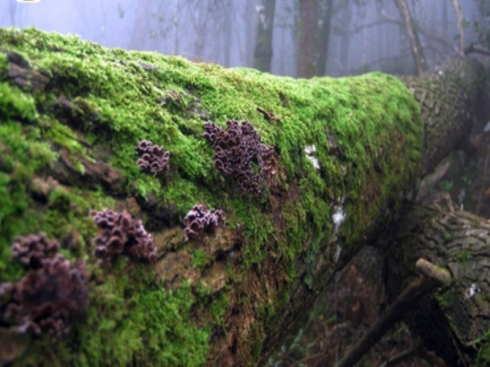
(454, 319)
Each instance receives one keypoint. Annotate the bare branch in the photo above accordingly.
(459, 15)
(417, 50)
(472, 48)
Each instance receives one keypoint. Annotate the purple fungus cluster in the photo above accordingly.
(51, 296)
(153, 158)
(200, 220)
(31, 250)
(240, 154)
(121, 234)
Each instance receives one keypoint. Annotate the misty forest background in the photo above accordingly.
(307, 38)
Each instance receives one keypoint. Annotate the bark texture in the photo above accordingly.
(447, 97)
(307, 54)
(454, 321)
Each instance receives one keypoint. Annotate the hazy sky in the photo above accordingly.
(223, 31)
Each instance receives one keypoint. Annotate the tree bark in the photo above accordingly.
(307, 54)
(264, 32)
(348, 152)
(324, 36)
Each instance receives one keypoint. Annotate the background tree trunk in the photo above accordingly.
(307, 39)
(412, 35)
(263, 40)
(324, 35)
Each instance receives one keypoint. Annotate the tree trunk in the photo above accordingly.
(324, 36)
(413, 37)
(345, 42)
(347, 150)
(307, 54)
(263, 40)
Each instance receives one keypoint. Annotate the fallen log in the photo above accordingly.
(344, 157)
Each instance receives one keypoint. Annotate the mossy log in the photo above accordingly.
(348, 151)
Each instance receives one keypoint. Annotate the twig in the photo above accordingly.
(409, 353)
(417, 50)
(269, 116)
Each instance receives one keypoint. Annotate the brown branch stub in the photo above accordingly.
(433, 271)
(269, 116)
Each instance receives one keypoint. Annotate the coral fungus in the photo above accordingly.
(237, 149)
(200, 220)
(154, 158)
(121, 234)
(49, 298)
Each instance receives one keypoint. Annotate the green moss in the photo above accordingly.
(136, 332)
(445, 298)
(198, 259)
(464, 256)
(365, 129)
(483, 350)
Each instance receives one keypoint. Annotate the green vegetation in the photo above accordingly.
(365, 129)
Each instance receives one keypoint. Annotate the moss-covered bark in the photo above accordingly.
(71, 113)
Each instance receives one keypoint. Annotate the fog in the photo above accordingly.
(364, 35)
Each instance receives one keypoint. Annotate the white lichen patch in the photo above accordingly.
(310, 150)
(471, 291)
(338, 216)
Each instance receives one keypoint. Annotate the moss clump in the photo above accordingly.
(100, 102)
(199, 259)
